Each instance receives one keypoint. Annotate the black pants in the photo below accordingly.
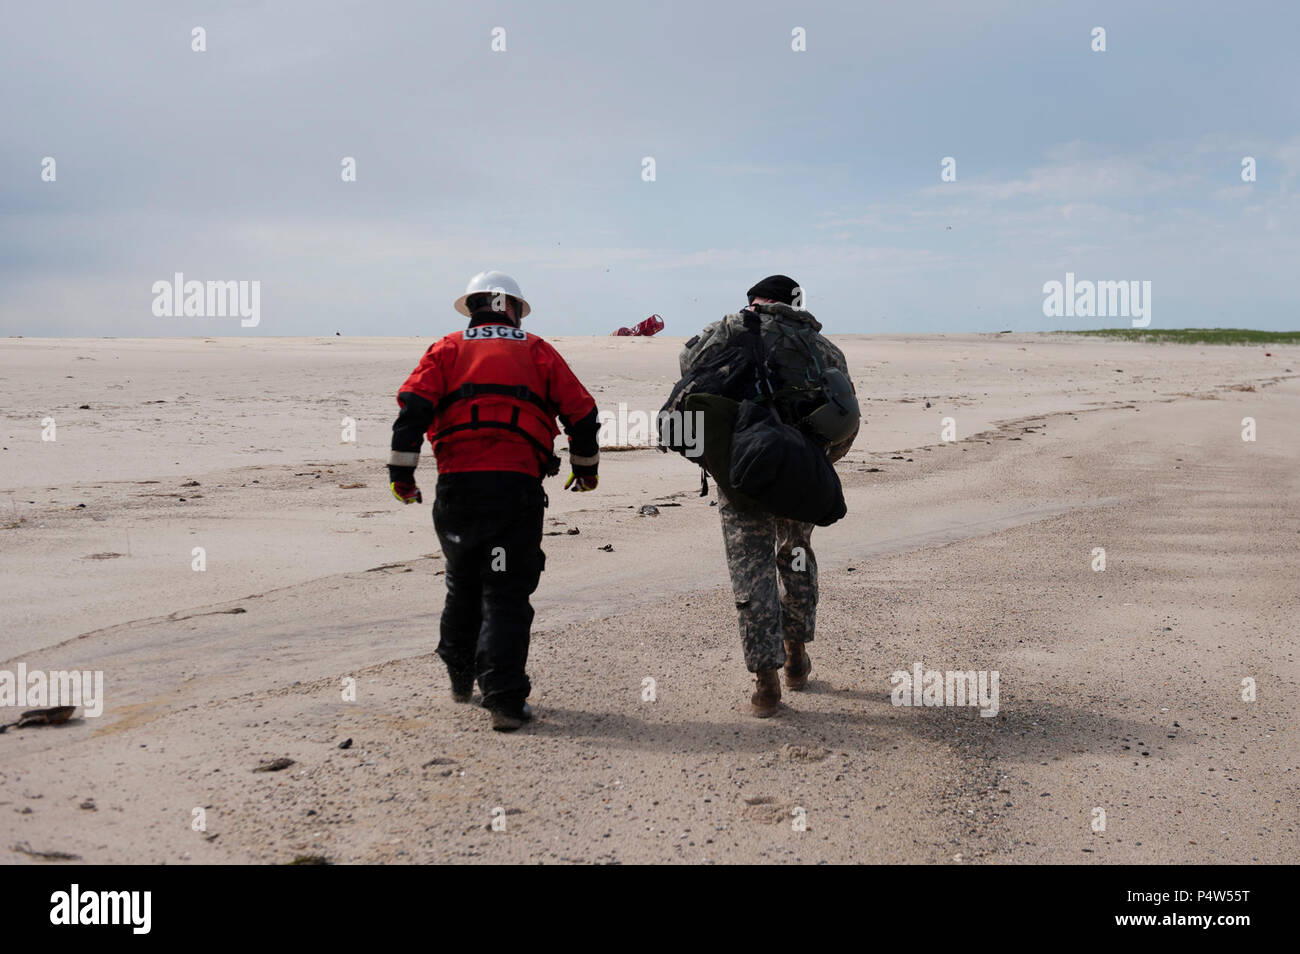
(490, 526)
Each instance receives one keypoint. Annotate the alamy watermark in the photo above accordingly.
(38, 688)
(932, 687)
(1089, 299)
(633, 428)
(128, 908)
(193, 299)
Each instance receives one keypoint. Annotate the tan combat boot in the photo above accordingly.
(766, 700)
(797, 665)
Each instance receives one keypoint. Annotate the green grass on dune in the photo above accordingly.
(1221, 336)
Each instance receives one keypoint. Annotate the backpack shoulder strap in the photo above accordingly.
(754, 339)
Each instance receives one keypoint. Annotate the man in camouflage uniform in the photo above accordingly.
(773, 569)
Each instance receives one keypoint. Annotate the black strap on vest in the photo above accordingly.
(520, 392)
(550, 463)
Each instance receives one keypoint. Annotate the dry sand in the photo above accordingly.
(1120, 689)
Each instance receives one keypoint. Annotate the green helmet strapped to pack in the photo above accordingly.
(836, 420)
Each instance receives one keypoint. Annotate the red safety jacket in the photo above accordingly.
(496, 391)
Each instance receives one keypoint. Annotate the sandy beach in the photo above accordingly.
(1120, 689)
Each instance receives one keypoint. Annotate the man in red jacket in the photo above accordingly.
(487, 398)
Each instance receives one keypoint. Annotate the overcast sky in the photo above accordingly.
(823, 164)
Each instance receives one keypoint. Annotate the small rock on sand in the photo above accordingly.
(278, 765)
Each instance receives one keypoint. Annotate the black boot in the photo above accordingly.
(462, 686)
(508, 718)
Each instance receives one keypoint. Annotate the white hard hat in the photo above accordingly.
(493, 282)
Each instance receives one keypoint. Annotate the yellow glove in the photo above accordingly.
(581, 485)
(406, 493)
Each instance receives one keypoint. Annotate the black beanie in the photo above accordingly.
(776, 287)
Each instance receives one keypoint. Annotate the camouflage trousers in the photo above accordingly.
(774, 579)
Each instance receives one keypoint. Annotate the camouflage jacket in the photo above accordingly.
(724, 333)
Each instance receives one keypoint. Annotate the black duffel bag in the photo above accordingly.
(782, 470)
